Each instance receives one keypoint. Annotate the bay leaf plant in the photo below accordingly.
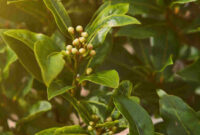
(79, 64)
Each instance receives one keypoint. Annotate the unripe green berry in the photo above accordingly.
(109, 119)
(68, 52)
(91, 123)
(82, 39)
(88, 71)
(93, 116)
(114, 128)
(81, 50)
(63, 52)
(79, 28)
(84, 34)
(69, 47)
(71, 30)
(110, 132)
(92, 52)
(75, 42)
(90, 128)
(90, 46)
(74, 50)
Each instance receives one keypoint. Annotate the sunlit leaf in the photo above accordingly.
(60, 15)
(107, 78)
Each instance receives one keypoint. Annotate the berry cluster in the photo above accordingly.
(79, 45)
(79, 48)
(110, 131)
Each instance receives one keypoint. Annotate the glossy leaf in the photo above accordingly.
(60, 15)
(156, 133)
(140, 31)
(179, 118)
(108, 124)
(124, 89)
(107, 78)
(181, 2)
(49, 131)
(50, 60)
(31, 7)
(83, 112)
(36, 110)
(56, 88)
(22, 43)
(165, 45)
(100, 36)
(95, 106)
(6, 133)
(139, 121)
(11, 58)
(27, 87)
(112, 21)
(141, 6)
(167, 63)
(98, 11)
(108, 10)
(191, 72)
(67, 130)
(102, 52)
(59, 39)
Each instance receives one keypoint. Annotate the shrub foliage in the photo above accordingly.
(92, 67)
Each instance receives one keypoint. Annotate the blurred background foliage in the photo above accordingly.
(161, 53)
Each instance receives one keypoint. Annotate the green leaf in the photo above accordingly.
(102, 52)
(161, 92)
(36, 110)
(107, 10)
(164, 46)
(179, 118)
(108, 124)
(140, 31)
(181, 2)
(107, 78)
(50, 60)
(96, 107)
(22, 43)
(98, 36)
(97, 13)
(124, 89)
(191, 72)
(6, 133)
(27, 87)
(139, 121)
(67, 130)
(141, 6)
(60, 15)
(56, 88)
(76, 130)
(34, 8)
(79, 107)
(59, 39)
(49, 131)
(111, 21)
(156, 133)
(167, 63)
(10, 58)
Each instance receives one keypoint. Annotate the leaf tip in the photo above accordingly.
(161, 93)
